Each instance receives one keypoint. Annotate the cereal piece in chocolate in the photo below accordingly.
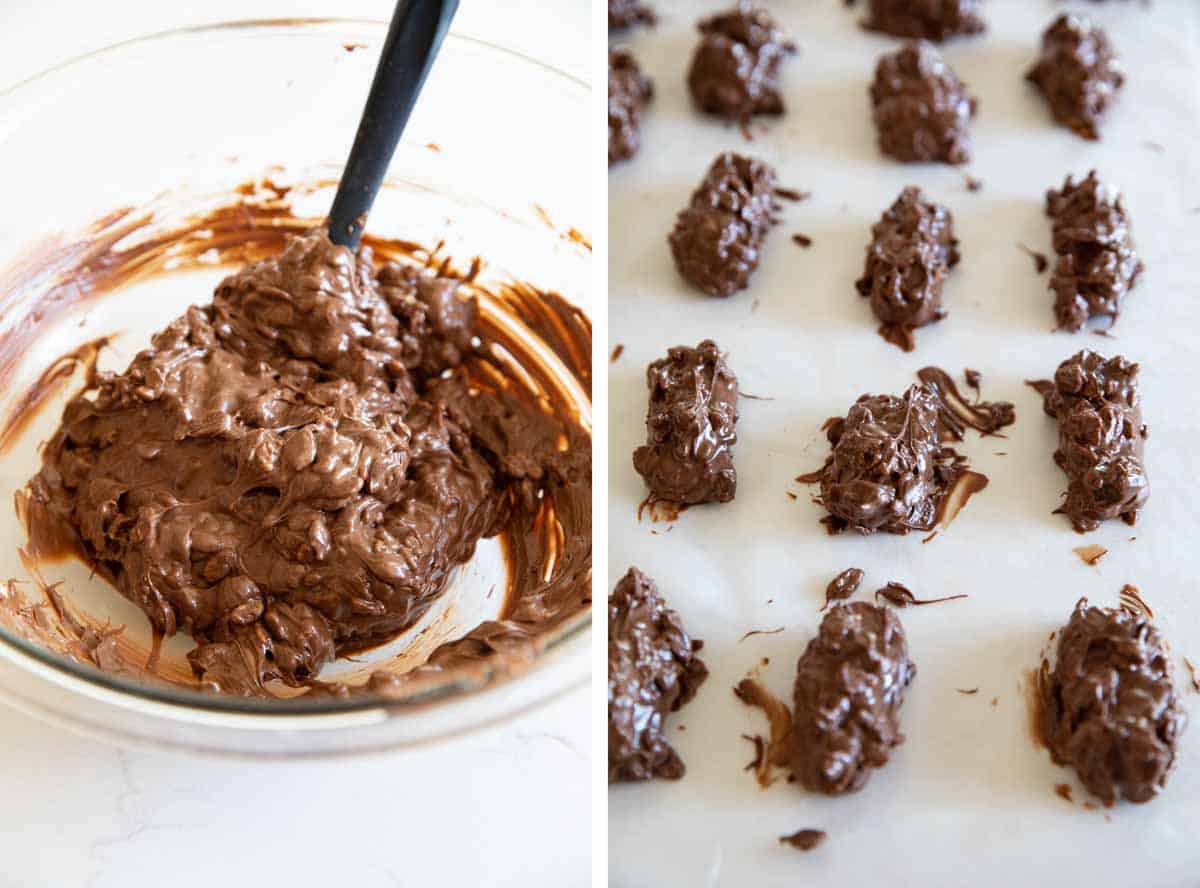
(690, 427)
(1101, 438)
(652, 671)
(628, 92)
(850, 684)
(1077, 73)
(626, 13)
(1097, 261)
(912, 250)
(735, 71)
(1109, 708)
(935, 20)
(718, 235)
(921, 107)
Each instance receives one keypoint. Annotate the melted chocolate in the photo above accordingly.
(935, 20)
(1097, 262)
(922, 109)
(899, 595)
(1078, 74)
(628, 92)
(1109, 708)
(1101, 438)
(956, 413)
(652, 671)
(718, 235)
(850, 684)
(735, 71)
(773, 751)
(690, 427)
(294, 471)
(912, 250)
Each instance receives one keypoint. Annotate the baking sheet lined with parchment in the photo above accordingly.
(968, 798)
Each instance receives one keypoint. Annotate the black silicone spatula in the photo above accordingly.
(413, 40)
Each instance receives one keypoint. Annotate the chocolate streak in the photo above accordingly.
(1101, 438)
(293, 472)
(1110, 707)
(850, 684)
(652, 670)
(690, 427)
(1097, 262)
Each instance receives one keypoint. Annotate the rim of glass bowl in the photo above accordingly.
(571, 630)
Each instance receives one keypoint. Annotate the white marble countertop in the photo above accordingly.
(478, 810)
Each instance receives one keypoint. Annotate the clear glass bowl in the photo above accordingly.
(490, 166)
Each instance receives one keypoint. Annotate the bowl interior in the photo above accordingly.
(479, 174)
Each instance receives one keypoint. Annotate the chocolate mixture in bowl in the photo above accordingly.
(295, 471)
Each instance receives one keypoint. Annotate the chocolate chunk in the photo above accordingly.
(804, 840)
(1109, 708)
(935, 20)
(912, 250)
(735, 71)
(652, 670)
(717, 236)
(290, 472)
(628, 92)
(921, 107)
(888, 469)
(1077, 73)
(626, 13)
(1097, 262)
(690, 427)
(850, 684)
(843, 585)
(956, 413)
(1101, 438)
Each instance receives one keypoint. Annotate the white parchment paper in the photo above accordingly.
(968, 799)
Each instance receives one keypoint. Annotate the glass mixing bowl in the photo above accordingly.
(491, 165)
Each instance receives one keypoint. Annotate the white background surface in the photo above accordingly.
(509, 806)
(967, 799)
